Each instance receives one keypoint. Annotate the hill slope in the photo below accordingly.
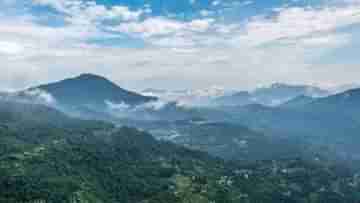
(64, 164)
(298, 102)
(224, 140)
(346, 103)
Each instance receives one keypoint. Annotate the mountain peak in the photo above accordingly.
(280, 85)
(90, 76)
(91, 90)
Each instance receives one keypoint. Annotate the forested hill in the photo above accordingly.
(19, 115)
(70, 163)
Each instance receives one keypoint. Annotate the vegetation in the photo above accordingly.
(226, 140)
(67, 161)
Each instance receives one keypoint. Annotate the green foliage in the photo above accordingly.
(77, 161)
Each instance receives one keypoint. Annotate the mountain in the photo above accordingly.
(279, 93)
(320, 126)
(346, 104)
(238, 99)
(91, 91)
(344, 87)
(225, 140)
(196, 97)
(298, 102)
(19, 115)
(16, 111)
(83, 164)
(42, 163)
(274, 95)
(331, 122)
(153, 92)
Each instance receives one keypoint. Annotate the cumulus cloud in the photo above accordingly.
(202, 51)
(246, 3)
(124, 13)
(35, 96)
(117, 107)
(40, 96)
(286, 23)
(170, 32)
(216, 3)
(10, 48)
(85, 12)
(298, 22)
(153, 105)
(84, 20)
(160, 30)
(26, 33)
(126, 108)
(327, 40)
(146, 111)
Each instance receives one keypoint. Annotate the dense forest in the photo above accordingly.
(65, 160)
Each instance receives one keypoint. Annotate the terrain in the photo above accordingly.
(65, 143)
(55, 160)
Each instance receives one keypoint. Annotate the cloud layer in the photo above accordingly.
(44, 40)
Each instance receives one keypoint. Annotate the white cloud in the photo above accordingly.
(36, 96)
(196, 53)
(184, 51)
(40, 96)
(158, 26)
(298, 22)
(327, 40)
(290, 23)
(216, 3)
(59, 5)
(200, 25)
(153, 105)
(80, 12)
(124, 13)
(117, 107)
(246, 3)
(152, 27)
(167, 32)
(205, 13)
(26, 31)
(10, 48)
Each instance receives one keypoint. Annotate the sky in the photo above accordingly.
(182, 44)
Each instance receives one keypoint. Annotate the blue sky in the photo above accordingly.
(181, 44)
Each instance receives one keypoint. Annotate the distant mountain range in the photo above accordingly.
(279, 110)
(96, 93)
(346, 103)
(344, 87)
(279, 93)
(298, 102)
(332, 122)
(198, 97)
(274, 95)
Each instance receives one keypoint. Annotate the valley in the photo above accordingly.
(141, 152)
